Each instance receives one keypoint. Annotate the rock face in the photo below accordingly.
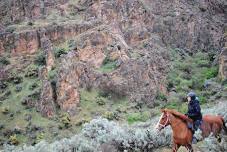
(13, 11)
(46, 45)
(223, 65)
(181, 24)
(46, 104)
(68, 84)
(131, 36)
(223, 60)
(28, 42)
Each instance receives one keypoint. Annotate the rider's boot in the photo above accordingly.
(194, 140)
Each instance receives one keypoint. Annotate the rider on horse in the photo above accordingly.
(194, 111)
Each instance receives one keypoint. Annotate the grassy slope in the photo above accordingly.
(189, 72)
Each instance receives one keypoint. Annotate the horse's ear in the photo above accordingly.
(163, 110)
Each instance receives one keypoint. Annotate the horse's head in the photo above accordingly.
(164, 120)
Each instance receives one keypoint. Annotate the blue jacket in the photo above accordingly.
(194, 110)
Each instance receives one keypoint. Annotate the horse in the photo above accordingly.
(182, 135)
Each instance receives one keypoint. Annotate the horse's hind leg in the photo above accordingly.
(189, 148)
(216, 129)
(175, 147)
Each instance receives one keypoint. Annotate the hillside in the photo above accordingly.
(66, 65)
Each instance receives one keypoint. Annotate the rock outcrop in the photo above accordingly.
(46, 104)
(223, 65)
(28, 42)
(131, 36)
(223, 60)
(181, 24)
(47, 47)
(67, 86)
(14, 11)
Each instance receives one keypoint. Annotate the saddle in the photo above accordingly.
(193, 126)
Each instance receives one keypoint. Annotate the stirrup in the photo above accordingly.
(194, 140)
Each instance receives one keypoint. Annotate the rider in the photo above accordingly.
(194, 111)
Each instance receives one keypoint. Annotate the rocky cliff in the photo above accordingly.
(136, 35)
(122, 49)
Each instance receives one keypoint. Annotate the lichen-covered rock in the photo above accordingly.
(187, 25)
(46, 104)
(67, 84)
(47, 47)
(223, 65)
(28, 42)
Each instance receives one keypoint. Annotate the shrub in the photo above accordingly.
(5, 110)
(71, 44)
(31, 71)
(40, 58)
(65, 120)
(4, 61)
(189, 72)
(59, 51)
(39, 137)
(135, 117)
(33, 86)
(52, 74)
(111, 115)
(13, 140)
(202, 99)
(161, 96)
(104, 94)
(100, 131)
(100, 101)
(108, 65)
(211, 72)
(10, 29)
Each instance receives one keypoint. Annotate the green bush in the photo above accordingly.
(101, 101)
(161, 96)
(111, 115)
(211, 72)
(202, 99)
(179, 106)
(65, 120)
(59, 51)
(39, 137)
(108, 65)
(10, 29)
(4, 61)
(190, 72)
(139, 116)
(32, 71)
(40, 58)
(13, 140)
(5, 110)
(104, 94)
(52, 74)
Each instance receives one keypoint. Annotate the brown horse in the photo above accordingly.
(182, 136)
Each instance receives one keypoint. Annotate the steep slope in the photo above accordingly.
(75, 60)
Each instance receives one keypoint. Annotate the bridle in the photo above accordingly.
(165, 124)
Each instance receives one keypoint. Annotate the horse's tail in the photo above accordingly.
(224, 126)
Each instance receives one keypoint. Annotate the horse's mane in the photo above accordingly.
(178, 114)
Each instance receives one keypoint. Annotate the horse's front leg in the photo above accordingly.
(189, 148)
(175, 147)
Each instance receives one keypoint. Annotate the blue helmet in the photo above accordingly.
(192, 95)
